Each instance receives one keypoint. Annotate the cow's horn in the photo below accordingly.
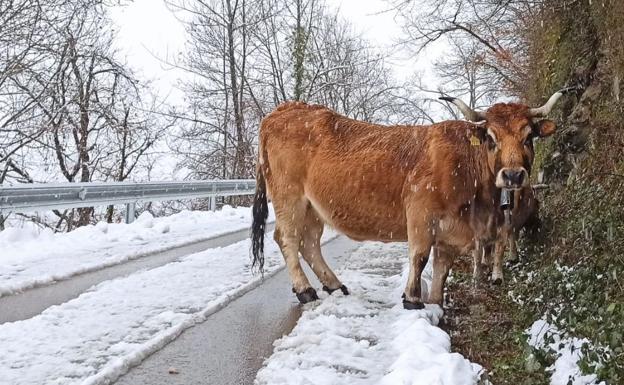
(545, 109)
(469, 113)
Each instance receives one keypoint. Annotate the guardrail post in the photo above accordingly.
(212, 203)
(130, 212)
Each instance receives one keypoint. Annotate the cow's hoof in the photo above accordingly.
(342, 288)
(497, 281)
(408, 305)
(308, 295)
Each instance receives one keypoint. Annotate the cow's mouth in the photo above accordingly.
(512, 178)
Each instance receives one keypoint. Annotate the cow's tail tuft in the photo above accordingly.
(258, 226)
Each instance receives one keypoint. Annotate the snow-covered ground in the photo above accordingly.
(367, 337)
(364, 338)
(96, 337)
(567, 350)
(31, 256)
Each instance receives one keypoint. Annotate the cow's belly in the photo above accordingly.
(360, 207)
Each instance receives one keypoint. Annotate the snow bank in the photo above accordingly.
(565, 370)
(30, 257)
(98, 336)
(367, 337)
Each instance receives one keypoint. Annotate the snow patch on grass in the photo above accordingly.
(567, 352)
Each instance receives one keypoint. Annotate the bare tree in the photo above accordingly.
(27, 30)
(246, 57)
(217, 57)
(68, 106)
(488, 26)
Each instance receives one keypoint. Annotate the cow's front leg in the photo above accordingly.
(513, 246)
(412, 296)
(499, 253)
(442, 262)
(420, 242)
(477, 263)
(497, 267)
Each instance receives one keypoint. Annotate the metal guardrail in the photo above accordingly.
(41, 197)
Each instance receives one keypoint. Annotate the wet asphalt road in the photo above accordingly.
(231, 345)
(33, 301)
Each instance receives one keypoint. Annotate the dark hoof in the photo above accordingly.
(342, 288)
(408, 305)
(308, 295)
(498, 281)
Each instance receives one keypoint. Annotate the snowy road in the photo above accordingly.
(35, 257)
(367, 338)
(364, 338)
(33, 301)
(98, 336)
(231, 345)
(227, 320)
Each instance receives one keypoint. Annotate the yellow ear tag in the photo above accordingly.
(475, 141)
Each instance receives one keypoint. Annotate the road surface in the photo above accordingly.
(232, 344)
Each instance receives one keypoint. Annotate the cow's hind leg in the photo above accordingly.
(289, 225)
(311, 251)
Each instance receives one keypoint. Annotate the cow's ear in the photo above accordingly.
(545, 128)
(477, 133)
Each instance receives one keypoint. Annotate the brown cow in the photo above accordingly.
(428, 185)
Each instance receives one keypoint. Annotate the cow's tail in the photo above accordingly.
(260, 214)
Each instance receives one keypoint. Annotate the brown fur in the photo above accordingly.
(423, 184)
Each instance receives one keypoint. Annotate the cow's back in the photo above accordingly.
(353, 173)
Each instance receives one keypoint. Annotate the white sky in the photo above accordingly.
(149, 31)
(149, 34)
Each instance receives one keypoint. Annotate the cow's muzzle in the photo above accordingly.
(512, 178)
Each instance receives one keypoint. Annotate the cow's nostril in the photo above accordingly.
(514, 177)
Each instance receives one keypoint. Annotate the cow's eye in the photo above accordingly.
(491, 143)
(528, 141)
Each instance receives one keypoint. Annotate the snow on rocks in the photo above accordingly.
(367, 337)
(565, 370)
(31, 257)
(98, 336)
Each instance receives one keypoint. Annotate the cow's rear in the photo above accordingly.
(288, 143)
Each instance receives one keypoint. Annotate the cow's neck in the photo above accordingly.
(484, 208)
(487, 194)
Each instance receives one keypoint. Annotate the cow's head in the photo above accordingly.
(508, 129)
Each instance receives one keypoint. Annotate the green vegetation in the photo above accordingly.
(487, 327)
(573, 269)
(578, 259)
